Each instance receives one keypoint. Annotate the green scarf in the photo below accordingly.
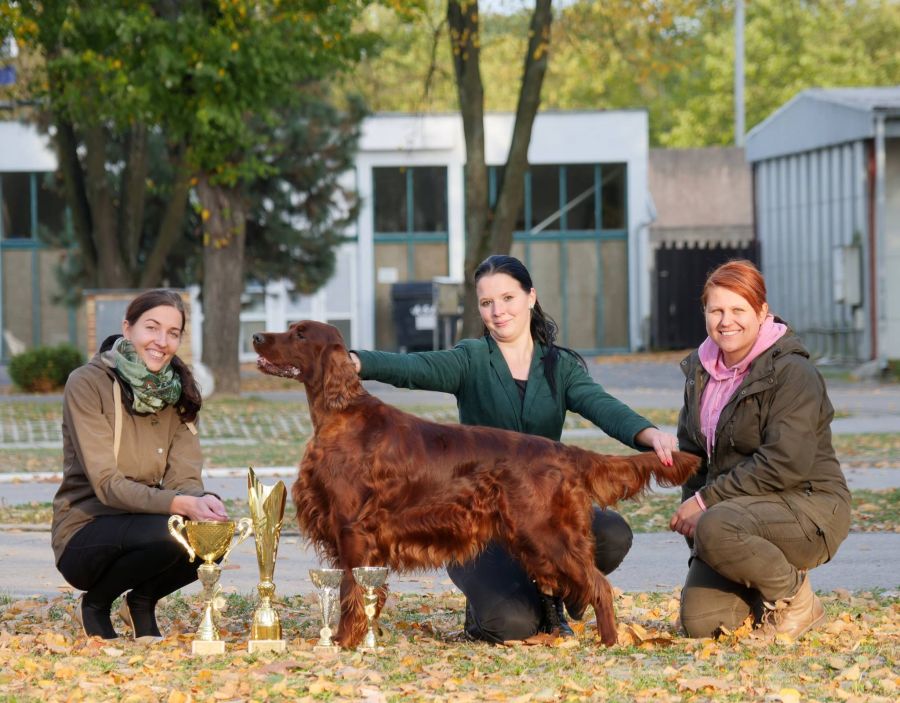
(152, 391)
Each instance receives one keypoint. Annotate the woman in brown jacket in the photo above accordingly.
(770, 501)
(131, 459)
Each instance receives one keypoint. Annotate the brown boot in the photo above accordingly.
(794, 616)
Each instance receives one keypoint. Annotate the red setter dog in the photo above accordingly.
(380, 487)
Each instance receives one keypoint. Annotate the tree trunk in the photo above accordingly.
(111, 271)
(511, 191)
(224, 231)
(76, 195)
(132, 197)
(171, 228)
(489, 231)
(462, 19)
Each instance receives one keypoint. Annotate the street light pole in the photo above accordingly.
(739, 73)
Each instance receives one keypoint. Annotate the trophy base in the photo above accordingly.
(205, 647)
(327, 648)
(255, 646)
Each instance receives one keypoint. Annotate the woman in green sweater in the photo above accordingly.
(516, 377)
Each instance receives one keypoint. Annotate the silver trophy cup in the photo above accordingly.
(328, 584)
(370, 578)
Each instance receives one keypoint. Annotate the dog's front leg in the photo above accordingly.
(353, 623)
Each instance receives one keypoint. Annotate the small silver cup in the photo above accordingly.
(328, 584)
(370, 578)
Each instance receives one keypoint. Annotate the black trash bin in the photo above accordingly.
(412, 306)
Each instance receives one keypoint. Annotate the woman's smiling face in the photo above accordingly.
(505, 308)
(155, 335)
(732, 323)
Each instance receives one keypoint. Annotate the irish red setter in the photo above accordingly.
(380, 487)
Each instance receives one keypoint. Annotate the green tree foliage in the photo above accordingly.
(213, 81)
(300, 210)
(791, 45)
(671, 57)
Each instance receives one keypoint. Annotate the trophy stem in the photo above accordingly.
(370, 599)
(208, 640)
(265, 632)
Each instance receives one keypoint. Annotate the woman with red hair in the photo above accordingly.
(770, 501)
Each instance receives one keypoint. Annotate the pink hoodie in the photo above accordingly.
(724, 381)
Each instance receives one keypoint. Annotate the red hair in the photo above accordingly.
(739, 276)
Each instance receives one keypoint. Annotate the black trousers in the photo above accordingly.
(116, 553)
(503, 602)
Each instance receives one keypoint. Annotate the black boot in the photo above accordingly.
(471, 631)
(553, 618)
(94, 619)
(565, 629)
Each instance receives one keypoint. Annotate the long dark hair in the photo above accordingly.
(543, 328)
(190, 401)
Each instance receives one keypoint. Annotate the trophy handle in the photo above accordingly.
(176, 528)
(245, 526)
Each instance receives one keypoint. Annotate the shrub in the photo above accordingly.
(44, 369)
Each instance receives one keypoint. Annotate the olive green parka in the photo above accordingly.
(773, 438)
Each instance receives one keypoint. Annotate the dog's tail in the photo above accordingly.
(610, 479)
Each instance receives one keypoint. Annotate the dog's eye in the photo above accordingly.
(299, 334)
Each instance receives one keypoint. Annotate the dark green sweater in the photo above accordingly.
(476, 373)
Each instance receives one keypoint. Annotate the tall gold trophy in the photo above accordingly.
(267, 512)
(209, 541)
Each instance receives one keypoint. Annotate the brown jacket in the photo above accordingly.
(773, 437)
(159, 456)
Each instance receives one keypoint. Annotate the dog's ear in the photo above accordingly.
(341, 382)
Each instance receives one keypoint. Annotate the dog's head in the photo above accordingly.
(314, 354)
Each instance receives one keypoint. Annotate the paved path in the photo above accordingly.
(656, 562)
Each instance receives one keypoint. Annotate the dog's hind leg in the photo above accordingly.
(565, 566)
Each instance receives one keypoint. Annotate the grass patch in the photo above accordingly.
(249, 430)
(853, 656)
(881, 450)
(873, 511)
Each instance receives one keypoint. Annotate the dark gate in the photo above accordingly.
(680, 274)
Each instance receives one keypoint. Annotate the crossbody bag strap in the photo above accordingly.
(117, 426)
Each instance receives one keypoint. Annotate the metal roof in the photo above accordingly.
(823, 117)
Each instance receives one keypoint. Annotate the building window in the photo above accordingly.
(545, 197)
(30, 204)
(580, 191)
(390, 199)
(410, 200)
(429, 187)
(612, 196)
(51, 206)
(15, 205)
(563, 198)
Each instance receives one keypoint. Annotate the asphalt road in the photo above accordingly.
(656, 562)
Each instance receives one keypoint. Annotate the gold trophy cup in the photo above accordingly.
(209, 541)
(370, 578)
(267, 512)
(328, 583)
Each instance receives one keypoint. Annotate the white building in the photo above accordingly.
(582, 230)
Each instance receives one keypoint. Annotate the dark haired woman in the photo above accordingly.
(770, 501)
(131, 458)
(516, 377)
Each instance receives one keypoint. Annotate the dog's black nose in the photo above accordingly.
(258, 338)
